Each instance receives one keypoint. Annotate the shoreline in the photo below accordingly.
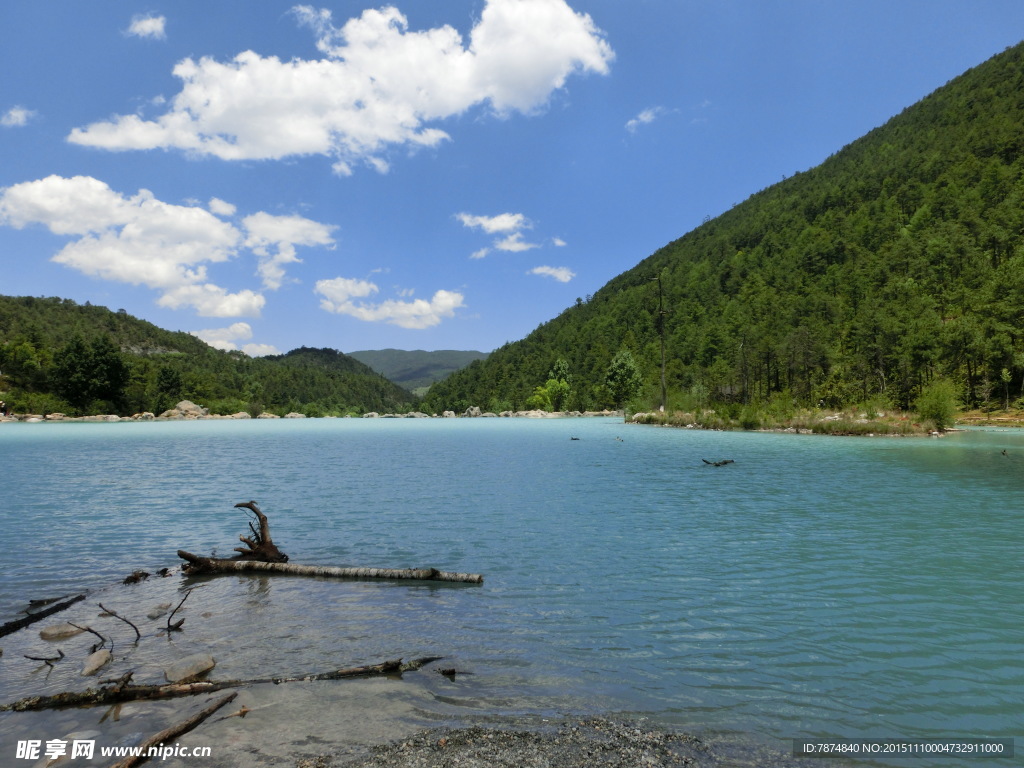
(187, 411)
(602, 741)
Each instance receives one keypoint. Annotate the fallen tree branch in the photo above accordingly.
(176, 626)
(93, 697)
(138, 635)
(198, 564)
(96, 646)
(169, 733)
(48, 660)
(13, 626)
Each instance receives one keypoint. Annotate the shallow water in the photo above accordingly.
(817, 587)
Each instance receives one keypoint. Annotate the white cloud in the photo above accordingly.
(143, 241)
(561, 274)
(226, 338)
(260, 350)
(514, 243)
(508, 224)
(378, 86)
(221, 208)
(339, 296)
(16, 117)
(284, 232)
(644, 118)
(148, 26)
(503, 222)
(558, 242)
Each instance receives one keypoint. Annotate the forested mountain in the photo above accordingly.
(416, 369)
(59, 356)
(896, 261)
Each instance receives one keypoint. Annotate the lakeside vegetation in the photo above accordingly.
(57, 356)
(895, 264)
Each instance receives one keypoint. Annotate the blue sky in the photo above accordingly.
(425, 175)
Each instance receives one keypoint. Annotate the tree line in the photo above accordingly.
(59, 356)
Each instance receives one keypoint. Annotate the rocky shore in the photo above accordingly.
(570, 743)
(188, 411)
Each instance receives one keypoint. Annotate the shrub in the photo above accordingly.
(938, 403)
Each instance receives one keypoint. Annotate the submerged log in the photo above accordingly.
(197, 564)
(13, 626)
(116, 694)
(167, 734)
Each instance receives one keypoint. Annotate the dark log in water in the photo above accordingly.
(197, 564)
(13, 626)
(119, 693)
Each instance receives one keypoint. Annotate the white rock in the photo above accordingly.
(96, 661)
(190, 666)
(60, 632)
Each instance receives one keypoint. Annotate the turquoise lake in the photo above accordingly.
(818, 587)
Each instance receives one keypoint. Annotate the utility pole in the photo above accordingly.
(661, 330)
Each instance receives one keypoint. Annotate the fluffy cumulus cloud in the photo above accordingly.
(273, 240)
(144, 241)
(561, 274)
(343, 296)
(510, 225)
(16, 117)
(152, 27)
(378, 85)
(227, 339)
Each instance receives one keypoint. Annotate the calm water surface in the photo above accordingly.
(817, 587)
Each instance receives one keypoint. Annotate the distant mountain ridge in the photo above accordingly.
(417, 369)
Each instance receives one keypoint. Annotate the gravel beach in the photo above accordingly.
(571, 743)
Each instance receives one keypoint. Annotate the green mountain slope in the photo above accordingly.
(895, 262)
(56, 355)
(416, 369)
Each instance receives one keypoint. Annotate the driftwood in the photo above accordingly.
(167, 734)
(259, 546)
(261, 555)
(13, 626)
(197, 564)
(115, 694)
(138, 635)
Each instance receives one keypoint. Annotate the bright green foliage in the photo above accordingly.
(623, 378)
(898, 260)
(938, 403)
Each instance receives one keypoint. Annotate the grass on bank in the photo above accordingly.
(811, 421)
